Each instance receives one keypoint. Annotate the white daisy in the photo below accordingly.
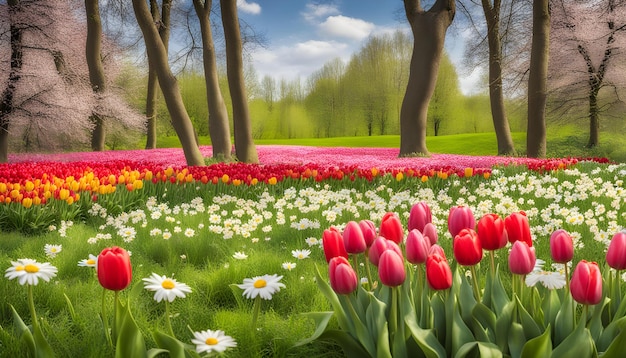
(551, 280)
(190, 232)
(209, 341)
(92, 261)
(301, 254)
(29, 271)
(165, 288)
(240, 255)
(289, 266)
(264, 286)
(52, 250)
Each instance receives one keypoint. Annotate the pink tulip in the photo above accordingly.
(343, 279)
(466, 247)
(391, 228)
(561, 246)
(460, 217)
(379, 246)
(419, 216)
(436, 250)
(369, 231)
(438, 273)
(417, 247)
(522, 258)
(586, 283)
(616, 254)
(391, 268)
(353, 238)
(430, 231)
(518, 228)
(332, 241)
(491, 231)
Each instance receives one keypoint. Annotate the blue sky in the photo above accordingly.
(303, 35)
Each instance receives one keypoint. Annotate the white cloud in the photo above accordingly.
(249, 7)
(316, 11)
(347, 27)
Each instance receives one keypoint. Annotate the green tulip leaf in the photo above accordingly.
(517, 340)
(531, 329)
(377, 326)
(499, 297)
(70, 307)
(617, 346)
(130, 342)
(25, 334)
(503, 325)
(610, 333)
(43, 349)
(321, 320)
(564, 321)
(550, 307)
(170, 344)
(360, 329)
(540, 346)
(426, 340)
(479, 350)
(439, 316)
(467, 301)
(595, 324)
(155, 352)
(486, 319)
(344, 322)
(578, 344)
(351, 347)
(460, 333)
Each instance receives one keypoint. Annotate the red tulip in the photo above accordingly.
(561, 246)
(391, 228)
(332, 241)
(522, 258)
(419, 216)
(491, 232)
(379, 246)
(369, 231)
(430, 231)
(460, 217)
(438, 272)
(343, 279)
(466, 247)
(353, 238)
(114, 269)
(391, 268)
(517, 228)
(586, 283)
(417, 247)
(616, 254)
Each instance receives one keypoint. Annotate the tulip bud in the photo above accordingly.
(369, 231)
(353, 238)
(391, 228)
(430, 231)
(491, 232)
(114, 269)
(332, 241)
(438, 273)
(391, 268)
(522, 258)
(459, 218)
(518, 228)
(419, 216)
(586, 283)
(616, 254)
(466, 247)
(417, 247)
(343, 279)
(561, 246)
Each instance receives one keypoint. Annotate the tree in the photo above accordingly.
(587, 40)
(445, 100)
(244, 145)
(169, 86)
(96, 68)
(537, 81)
(429, 30)
(219, 129)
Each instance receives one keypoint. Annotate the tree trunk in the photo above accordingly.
(429, 31)
(537, 81)
(244, 145)
(219, 129)
(496, 96)
(6, 104)
(594, 120)
(169, 86)
(96, 69)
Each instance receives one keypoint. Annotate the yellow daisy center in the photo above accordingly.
(211, 341)
(260, 283)
(91, 262)
(19, 268)
(30, 268)
(168, 284)
(54, 249)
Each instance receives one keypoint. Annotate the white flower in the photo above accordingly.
(209, 341)
(165, 288)
(301, 254)
(240, 255)
(551, 280)
(190, 232)
(52, 250)
(29, 271)
(289, 266)
(264, 286)
(92, 261)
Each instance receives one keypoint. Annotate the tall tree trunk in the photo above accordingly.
(163, 22)
(537, 81)
(6, 103)
(244, 145)
(219, 129)
(96, 69)
(594, 120)
(429, 31)
(496, 96)
(169, 86)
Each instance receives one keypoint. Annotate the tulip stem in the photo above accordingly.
(492, 255)
(114, 327)
(566, 278)
(255, 311)
(475, 279)
(369, 272)
(356, 266)
(167, 318)
(31, 306)
(393, 313)
(105, 323)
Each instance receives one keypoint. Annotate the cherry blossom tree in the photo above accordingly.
(588, 43)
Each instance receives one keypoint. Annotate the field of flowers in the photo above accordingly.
(229, 257)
